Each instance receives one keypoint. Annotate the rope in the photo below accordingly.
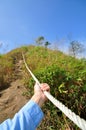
(81, 123)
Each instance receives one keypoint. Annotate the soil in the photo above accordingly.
(12, 99)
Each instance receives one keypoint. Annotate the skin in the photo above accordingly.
(39, 96)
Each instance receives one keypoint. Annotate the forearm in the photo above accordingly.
(28, 117)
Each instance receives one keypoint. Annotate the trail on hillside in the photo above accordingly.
(12, 99)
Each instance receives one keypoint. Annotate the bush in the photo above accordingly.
(65, 87)
(5, 75)
(52, 75)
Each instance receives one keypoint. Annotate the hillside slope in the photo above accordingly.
(66, 76)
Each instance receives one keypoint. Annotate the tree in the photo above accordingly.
(47, 44)
(75, 48)
(40, 40)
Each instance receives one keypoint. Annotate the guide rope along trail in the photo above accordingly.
(81, 123)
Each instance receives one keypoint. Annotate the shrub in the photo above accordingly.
(52, 75)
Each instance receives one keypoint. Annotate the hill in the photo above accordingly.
(65, 75)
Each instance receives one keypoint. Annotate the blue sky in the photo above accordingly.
(22, 21)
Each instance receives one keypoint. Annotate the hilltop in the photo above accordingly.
(65, 74)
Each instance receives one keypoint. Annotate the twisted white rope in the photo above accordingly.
(81, 123)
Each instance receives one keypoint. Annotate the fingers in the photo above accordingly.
(45, 87)
(42, 87)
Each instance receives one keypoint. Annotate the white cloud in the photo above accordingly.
(3, 46)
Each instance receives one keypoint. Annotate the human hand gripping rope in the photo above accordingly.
(81, 123)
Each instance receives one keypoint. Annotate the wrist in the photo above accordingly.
(37, 99)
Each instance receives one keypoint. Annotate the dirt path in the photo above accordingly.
(12, 99)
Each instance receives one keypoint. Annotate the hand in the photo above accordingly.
(39, 96)
(38, 90)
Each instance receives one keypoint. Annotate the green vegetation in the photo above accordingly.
(66, 76)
